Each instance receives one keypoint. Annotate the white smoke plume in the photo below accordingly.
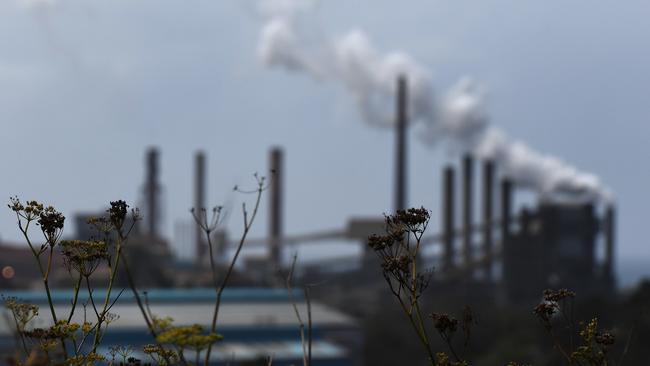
(36, 4)
(548, 175)
(458, 117)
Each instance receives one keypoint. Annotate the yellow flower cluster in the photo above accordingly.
(191, 337)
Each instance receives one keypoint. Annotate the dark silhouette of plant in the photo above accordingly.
(398, 252)
(555, 312)
(305, 340)
(201, 218)
(81, 259)
(71, 343)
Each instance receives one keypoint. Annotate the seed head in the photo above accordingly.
(117, 213)
(444, 323)
(51, 222)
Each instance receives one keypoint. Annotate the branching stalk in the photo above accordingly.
(248, 222)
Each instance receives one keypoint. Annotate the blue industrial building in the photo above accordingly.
(256, 323)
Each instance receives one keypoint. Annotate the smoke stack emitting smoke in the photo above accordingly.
(457, 118)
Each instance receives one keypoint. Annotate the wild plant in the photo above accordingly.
(556, 314)
(208, 226)
(77, 342)
(306, 340)
(398, 250)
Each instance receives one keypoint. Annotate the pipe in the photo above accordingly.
(275, 208)
(401, 144)
(506, 210)
(488, 216)
(610, 241)
(152, 188)
(468, 164)
(448, 218)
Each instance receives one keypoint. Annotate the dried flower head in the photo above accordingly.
(117, 213)
(86, 327)
(132, 361)
(60, 330)
(396, 264)
(191, 337)
(91, 358)
(160, 355)
(101, 224)
(380, 242)
(444, 323)
(605, 338)
(545, 310)
(51, 222)
(22, 312)
(413, 218)
(556, 296)
(123, 352)
(29, 211)
(110, 317)
(442, 359)
(15, 205)
(84, 255)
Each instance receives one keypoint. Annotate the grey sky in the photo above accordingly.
(87, 86)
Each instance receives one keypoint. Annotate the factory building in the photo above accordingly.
(255, 322)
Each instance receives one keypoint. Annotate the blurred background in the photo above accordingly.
(522, 127)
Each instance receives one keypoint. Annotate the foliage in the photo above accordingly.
(69, 343)
(398, 251)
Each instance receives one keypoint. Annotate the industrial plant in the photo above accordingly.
(494, 250)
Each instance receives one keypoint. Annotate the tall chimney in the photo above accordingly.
(220, 239)
(506, 210)
(448, 218)
(275, 208)
(610, 241)
(488, 215)
(199, 203)
(152, 188)
(468, 165)
(401, 144)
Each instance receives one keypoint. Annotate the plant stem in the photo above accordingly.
(46, 277)
(76, 296)
(138, 300)
(19, 333)
(111, 280)
(44, 274)
(301, 324)
(137, 297)
(425, 337)
(418, 330)
(309, 325)
(247, 227)
(213, 267)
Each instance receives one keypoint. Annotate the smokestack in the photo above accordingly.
(275, 208)
(468, 165)
(401, 144)
(199, 203)
(448, 217)
(610, 241)
(152, 189)
(506, 209)
(488, 215)
(220, 238)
